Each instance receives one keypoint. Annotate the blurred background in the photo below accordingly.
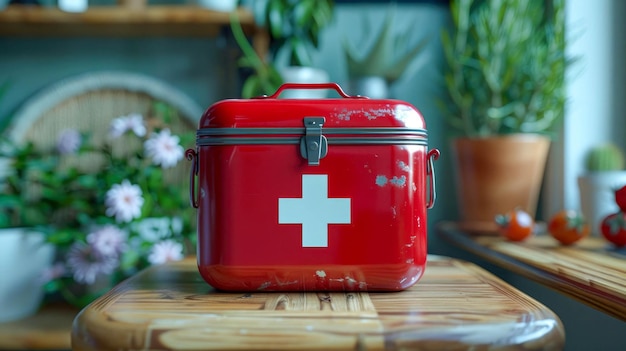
(205, 69)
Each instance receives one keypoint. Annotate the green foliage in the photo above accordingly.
(4, 87)
(32, 192)
(506, 66)
(389, 55)
(607, 157)
(264, 79)
(295, 26)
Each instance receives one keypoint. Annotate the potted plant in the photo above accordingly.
(262, 76)
(373, 72)
(605, 174)
(294, 28)
(105, 204)
(505, 84)
(24, 254)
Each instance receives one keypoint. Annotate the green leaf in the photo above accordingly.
(303, 11)
(275, 16)
(52, 286)
(251, 87)
(129, 259)
(64, 237)
(301, 55)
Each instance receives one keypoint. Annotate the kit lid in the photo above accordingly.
(343, 112)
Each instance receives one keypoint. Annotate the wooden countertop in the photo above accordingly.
(49, 329)
(590, 271)
(455, 305)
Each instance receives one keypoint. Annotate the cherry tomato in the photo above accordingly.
(515, 225)
(613, 228)
(620, 198)
(568, 226)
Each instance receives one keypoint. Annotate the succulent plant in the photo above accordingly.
(607, 157)
(389, 56)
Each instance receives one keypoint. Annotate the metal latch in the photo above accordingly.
(313, 145)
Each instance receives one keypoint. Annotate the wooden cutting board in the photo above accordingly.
(455, 305)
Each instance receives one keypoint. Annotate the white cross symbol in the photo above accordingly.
(315, 211)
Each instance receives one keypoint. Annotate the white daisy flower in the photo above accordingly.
(166, 251)
(69, 141)
(121, 125)
(124, 201)
(164, 149)
(85, 264)
(108, 240)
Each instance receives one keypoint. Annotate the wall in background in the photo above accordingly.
(202, 68)
(421, 86)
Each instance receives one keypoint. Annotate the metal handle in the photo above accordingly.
(192, 156)
(333, 86)
(430, 173)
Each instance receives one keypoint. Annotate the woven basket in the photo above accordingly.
(90, 102)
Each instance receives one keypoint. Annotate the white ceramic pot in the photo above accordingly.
(373, 87)
(297, 74)
(23, 257)
(597, 196)
(219, 5)
(73, 5)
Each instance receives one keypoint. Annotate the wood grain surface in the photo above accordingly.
(591, 271)
(456, 305)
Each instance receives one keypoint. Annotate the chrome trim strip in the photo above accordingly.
(399, 140)
(207, 132)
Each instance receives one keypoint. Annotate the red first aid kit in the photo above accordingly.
(317, 195)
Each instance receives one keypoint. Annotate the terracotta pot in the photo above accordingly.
(497, 174)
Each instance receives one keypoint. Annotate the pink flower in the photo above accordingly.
(69, 141)
(108, 240)
(86, 264)
(164, 149)
(166, 251)
(124, 201)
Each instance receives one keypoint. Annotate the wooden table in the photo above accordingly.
(456, 305)
(590, 271)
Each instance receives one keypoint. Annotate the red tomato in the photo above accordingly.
(613, 228)
(620, 198)
(568, 227)
(515, 225)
